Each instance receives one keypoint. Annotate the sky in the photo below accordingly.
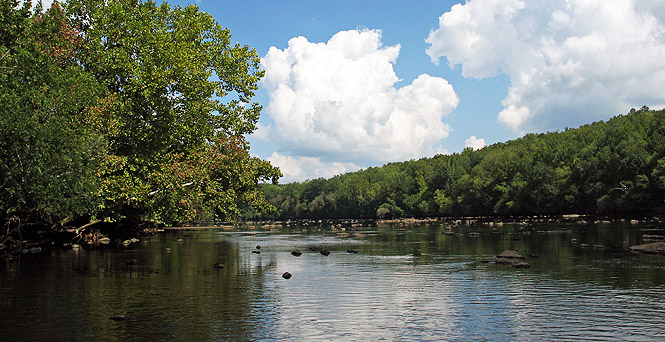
(354, 84)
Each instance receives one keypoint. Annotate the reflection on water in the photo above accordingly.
(405, 283)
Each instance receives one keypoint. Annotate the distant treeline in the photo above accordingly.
(607, 168)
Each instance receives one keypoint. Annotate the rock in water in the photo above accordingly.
(353, 251)
(296, 253)
(218, 266)
(650, 248)
(256, 252)
(121, 318)
(653, 237)
(325, 252)
(286, 275)
(510, 254)
(503, 261)
(521, 264)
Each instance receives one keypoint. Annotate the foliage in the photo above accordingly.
(123, 110)
(610, 168)
(49, 150)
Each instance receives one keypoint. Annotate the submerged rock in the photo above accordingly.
(353, 251)
(286, 275)
(653, 237)
(503, 261)
(218, 266)
(256, 252)
(650, 248)
(121, 318)
(521, 264)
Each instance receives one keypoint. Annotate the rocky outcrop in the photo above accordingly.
(650, 248)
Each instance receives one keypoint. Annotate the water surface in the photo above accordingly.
(406, 283)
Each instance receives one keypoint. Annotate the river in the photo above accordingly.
(405, 283)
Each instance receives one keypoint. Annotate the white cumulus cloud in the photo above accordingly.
(474, 143)
(302, 168)
(569, 61)
(337, 101)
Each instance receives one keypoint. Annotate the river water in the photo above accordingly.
(405, 283)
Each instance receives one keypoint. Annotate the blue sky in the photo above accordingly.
(353, 84)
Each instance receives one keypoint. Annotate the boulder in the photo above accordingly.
(296, 253)
(286, 275)
(510, 254)
(650, 248)
(325, 252)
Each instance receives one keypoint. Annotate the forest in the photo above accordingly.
(613, 168)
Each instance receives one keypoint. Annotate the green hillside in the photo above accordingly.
(610, 168)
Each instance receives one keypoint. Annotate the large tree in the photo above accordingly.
(180, 95)
(122, 110)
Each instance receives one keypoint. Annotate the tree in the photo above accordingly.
(50, 150)
(179, 113)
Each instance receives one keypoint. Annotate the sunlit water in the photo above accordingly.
(451, 290)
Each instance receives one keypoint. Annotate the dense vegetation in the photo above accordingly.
(122, 111)
(608, 168)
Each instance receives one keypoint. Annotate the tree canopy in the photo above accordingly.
(123, 110)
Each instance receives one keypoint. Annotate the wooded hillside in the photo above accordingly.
(610, 168)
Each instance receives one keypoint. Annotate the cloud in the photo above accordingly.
(337, 101)
(474, 142)
(302, 168)
(568, 61)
